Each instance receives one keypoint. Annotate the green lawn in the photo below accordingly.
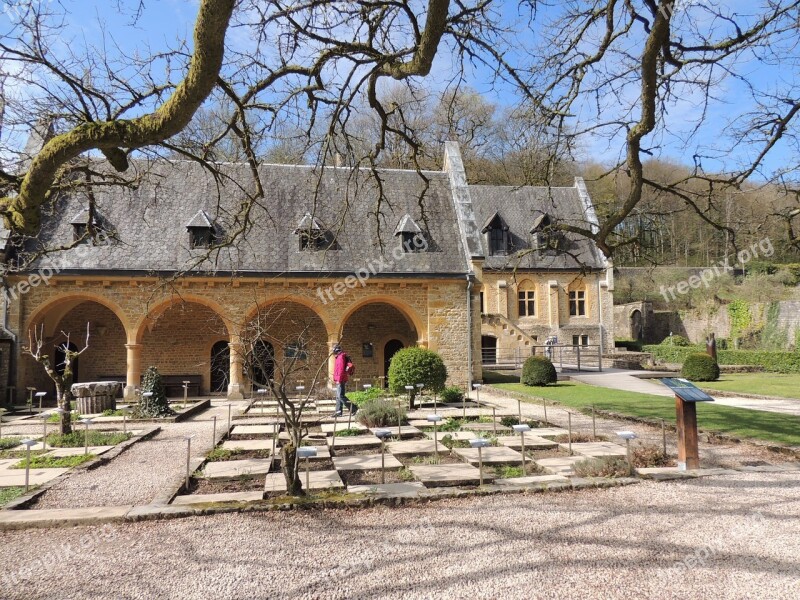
(739, 422)
(783, 385)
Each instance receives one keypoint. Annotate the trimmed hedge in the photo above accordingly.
(699, 366)
(538, 370)
(676, 340)
(452, 394)
(774, 362)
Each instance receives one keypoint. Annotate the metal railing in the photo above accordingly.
(567, 357)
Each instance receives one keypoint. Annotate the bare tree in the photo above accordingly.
(283, 350)
(61, 374)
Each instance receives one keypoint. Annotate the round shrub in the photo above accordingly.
(411, 366)
(538, 370)
(700, 367)
(452, 394)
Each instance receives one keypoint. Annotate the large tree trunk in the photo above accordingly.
(290, 471)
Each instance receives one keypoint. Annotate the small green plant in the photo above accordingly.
(414, 365)
(7, 442)
(110, 412)
(380, 413)
(55, 462)
(222, 454)
(450, 443)
(352, 432)
(76, 439)
(405, 474)
(452, 394)
(538, 371)
(7, 494)
(605, 466)
(56, 418)
(360, 397)
(451, 425)
(508, 472)
(699, 366)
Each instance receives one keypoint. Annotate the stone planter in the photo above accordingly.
(95, 396)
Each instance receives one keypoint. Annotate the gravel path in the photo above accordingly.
(143, 472)
(735, 536)
(718, 454)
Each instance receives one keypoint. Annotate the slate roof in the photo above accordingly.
(521, 208)
(150, 222)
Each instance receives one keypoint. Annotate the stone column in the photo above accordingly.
(331, 361)
(235, 387)
(134, 371)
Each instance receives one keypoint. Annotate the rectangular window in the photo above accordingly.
(413, 242)
(497, 241)
(577, 303)
(527, 303)
(580, 340)
(483, 304)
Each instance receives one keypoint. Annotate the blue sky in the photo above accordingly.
(165, 23)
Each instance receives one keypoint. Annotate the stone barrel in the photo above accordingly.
(96, 396)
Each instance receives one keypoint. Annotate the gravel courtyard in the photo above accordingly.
(733, 536)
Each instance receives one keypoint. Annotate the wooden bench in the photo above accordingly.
(173, 384)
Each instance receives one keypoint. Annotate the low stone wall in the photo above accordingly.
(96, 396)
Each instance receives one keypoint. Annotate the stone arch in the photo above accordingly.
(323, 315)
(58, 307)
(109, 330)
(375, 323)
(411, 315)
(161, 307)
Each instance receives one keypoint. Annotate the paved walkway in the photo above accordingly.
(620, 379)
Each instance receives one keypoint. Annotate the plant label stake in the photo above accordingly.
(185, 392)
(214, 432)
(594, 425)
(27, 444)
(479, 443)
(229, 418)
(628, 436)
(521, 429)
(188, 460)
(544, 405)
(519, 409)
(664, 436)
(335, 423)
(569, 431)
(382, 434)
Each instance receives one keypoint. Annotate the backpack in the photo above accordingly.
(349, 367)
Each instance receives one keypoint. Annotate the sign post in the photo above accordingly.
(686, 398)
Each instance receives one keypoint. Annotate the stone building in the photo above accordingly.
(375, 261)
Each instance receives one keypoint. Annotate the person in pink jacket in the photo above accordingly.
(342, 369)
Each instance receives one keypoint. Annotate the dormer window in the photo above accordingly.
(496, 231)
(543, 237)
(411, 236)
(312, 235)
(80, 225)
(201, 230)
